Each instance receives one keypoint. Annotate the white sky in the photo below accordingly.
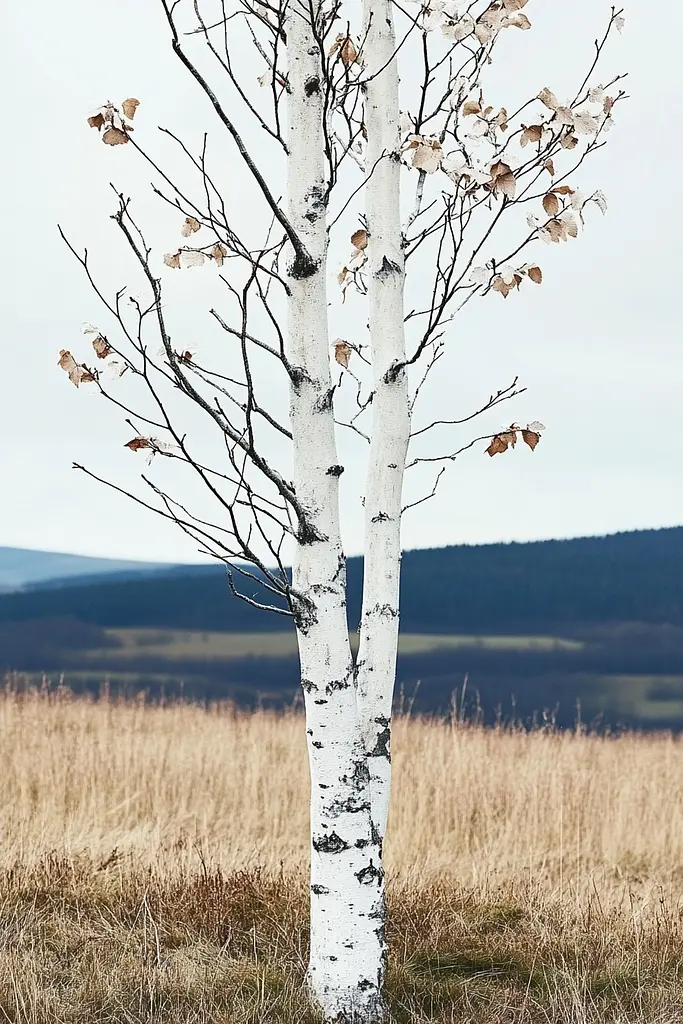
(598, 345)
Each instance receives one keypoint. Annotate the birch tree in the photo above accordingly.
(427, 178)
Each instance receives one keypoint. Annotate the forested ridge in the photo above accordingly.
(542, 586)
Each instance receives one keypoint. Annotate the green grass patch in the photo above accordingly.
(178, 645)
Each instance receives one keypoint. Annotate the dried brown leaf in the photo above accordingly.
(506, 183)
(471, 107)
(551, 204)
(359, 239)
(501, 442)
(483, 32)
(550, 166)
(129, 107)
(531, 438)
(190, 225)
(557, 230)
(77, 374)
(218, 252)
(501, 119)
(102, 347)
(96, 121)
(138, 442)
(342, 353)
(427, 155)
(548, 98)
(346, 48)
(114, 137)
(498, 169)
(172, 259)
(535, 274)
(532, 133)
(518, 21)
(569, 141)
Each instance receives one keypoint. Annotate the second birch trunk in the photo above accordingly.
(376, 661)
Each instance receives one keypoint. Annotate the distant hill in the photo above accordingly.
(542, 586)
(20, 567)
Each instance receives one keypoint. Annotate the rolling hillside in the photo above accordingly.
(538, 587)
(22, 566)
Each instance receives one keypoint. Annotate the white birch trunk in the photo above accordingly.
(348, 948)
(376, 662)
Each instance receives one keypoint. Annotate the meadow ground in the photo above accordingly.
(153, 868)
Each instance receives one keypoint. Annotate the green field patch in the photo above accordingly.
(189, 644)
(649, 697)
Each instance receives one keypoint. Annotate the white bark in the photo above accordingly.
(348, 949)
(376, 663)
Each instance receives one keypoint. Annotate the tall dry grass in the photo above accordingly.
(566, 846)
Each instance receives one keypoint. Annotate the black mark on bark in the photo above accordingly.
(369, 875)
(331, 843)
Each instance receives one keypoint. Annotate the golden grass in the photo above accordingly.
(154, 868)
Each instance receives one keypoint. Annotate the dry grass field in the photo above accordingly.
(153, 868)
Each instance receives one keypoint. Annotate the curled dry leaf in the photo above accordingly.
(218, 252)
(535, 274)
(501, 442)
(503, 179)
(426, 154)
(550, 167)
(102, 347)
(518, 21)
(548, 98)
(97, 120)
(471, 107)
(342, 353)
(172, 259)
(359, 239)
(483, 32)
(531, 438)
(569, 141)
(190, 225)
(505, 285)
(346, 48)
(129, 107)
(138, 442)
(77, 374)
(532, 133)
(114, 137)
(551, 204)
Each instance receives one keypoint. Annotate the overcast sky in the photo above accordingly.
(599, 345)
